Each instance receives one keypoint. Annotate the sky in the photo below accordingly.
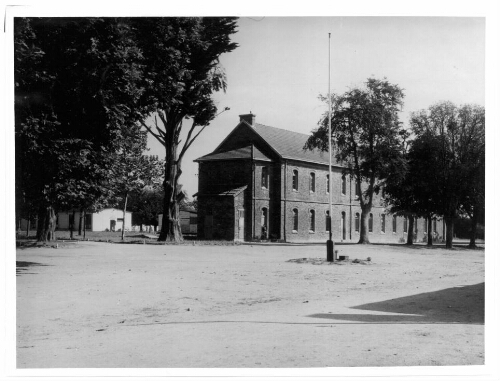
(281, 66)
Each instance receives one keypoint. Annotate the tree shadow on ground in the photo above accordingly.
(22, 267)
(462, 304)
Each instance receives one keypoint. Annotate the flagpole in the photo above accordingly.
(329, 244)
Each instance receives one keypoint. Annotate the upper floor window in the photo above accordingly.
(312, 221)
(370, 223)
(312, 182)
(295, 214)
(265, 177)
(344, 185)
(382, 223)
(356, 222)
(394, 224)
(295, 180)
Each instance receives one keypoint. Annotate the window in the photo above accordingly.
(263, 218)
(405, 225)
(312, 221)
(426, 221)
(415, 224)
(394, 224)
(263, 223)
(382, 223)
(295, 214)
(295, 180)
(370, 223)
(327, 183)
(356, 222)
(357, 191)
(328, 222)
(265, 177)
(344, 185)
(434, 225)
(312, 182)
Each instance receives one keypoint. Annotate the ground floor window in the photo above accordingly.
(295, 214)
(263, 222)
(356, 222)
(394, 224)
(328, 222)
(312, 221)
(370, 223)
(382, 223)
(405, 225)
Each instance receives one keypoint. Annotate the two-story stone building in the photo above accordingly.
(260, 183)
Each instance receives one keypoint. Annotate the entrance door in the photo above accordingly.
(209, 222)
(241, 224)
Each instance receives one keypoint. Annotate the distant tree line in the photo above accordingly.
(436, 167)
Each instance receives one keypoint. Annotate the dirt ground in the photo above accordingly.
(94, 305)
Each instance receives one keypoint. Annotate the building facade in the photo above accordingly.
(260, 183)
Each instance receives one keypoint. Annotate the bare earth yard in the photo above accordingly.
(95, 305)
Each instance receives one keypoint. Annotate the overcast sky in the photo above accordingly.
(281, 67)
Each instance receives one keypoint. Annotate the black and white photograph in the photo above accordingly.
(251, 193)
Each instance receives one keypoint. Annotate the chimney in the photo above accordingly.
(249, 118)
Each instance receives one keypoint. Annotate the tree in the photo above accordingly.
(146, 204)
(452, 139)
(367, 135)
(76, 83)
(132, 170)
(409, 191)
(182, 72)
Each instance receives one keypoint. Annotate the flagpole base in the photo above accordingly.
(329, 251)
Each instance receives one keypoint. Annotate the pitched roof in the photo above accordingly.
(289, 144)
(239, 153)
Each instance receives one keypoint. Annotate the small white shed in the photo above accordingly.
(110, 218)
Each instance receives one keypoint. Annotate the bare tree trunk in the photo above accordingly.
(72, 225)
(84, 224)
(171, 227)
(80, 219)
(124, 215)
(409, 239)
(363, 231)
(429, 231)
(473, 231)
(449, 231)
(46, 224)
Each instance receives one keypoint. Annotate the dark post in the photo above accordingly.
(329, 245)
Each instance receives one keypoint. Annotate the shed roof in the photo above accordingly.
(232, 192)
(239, 153)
